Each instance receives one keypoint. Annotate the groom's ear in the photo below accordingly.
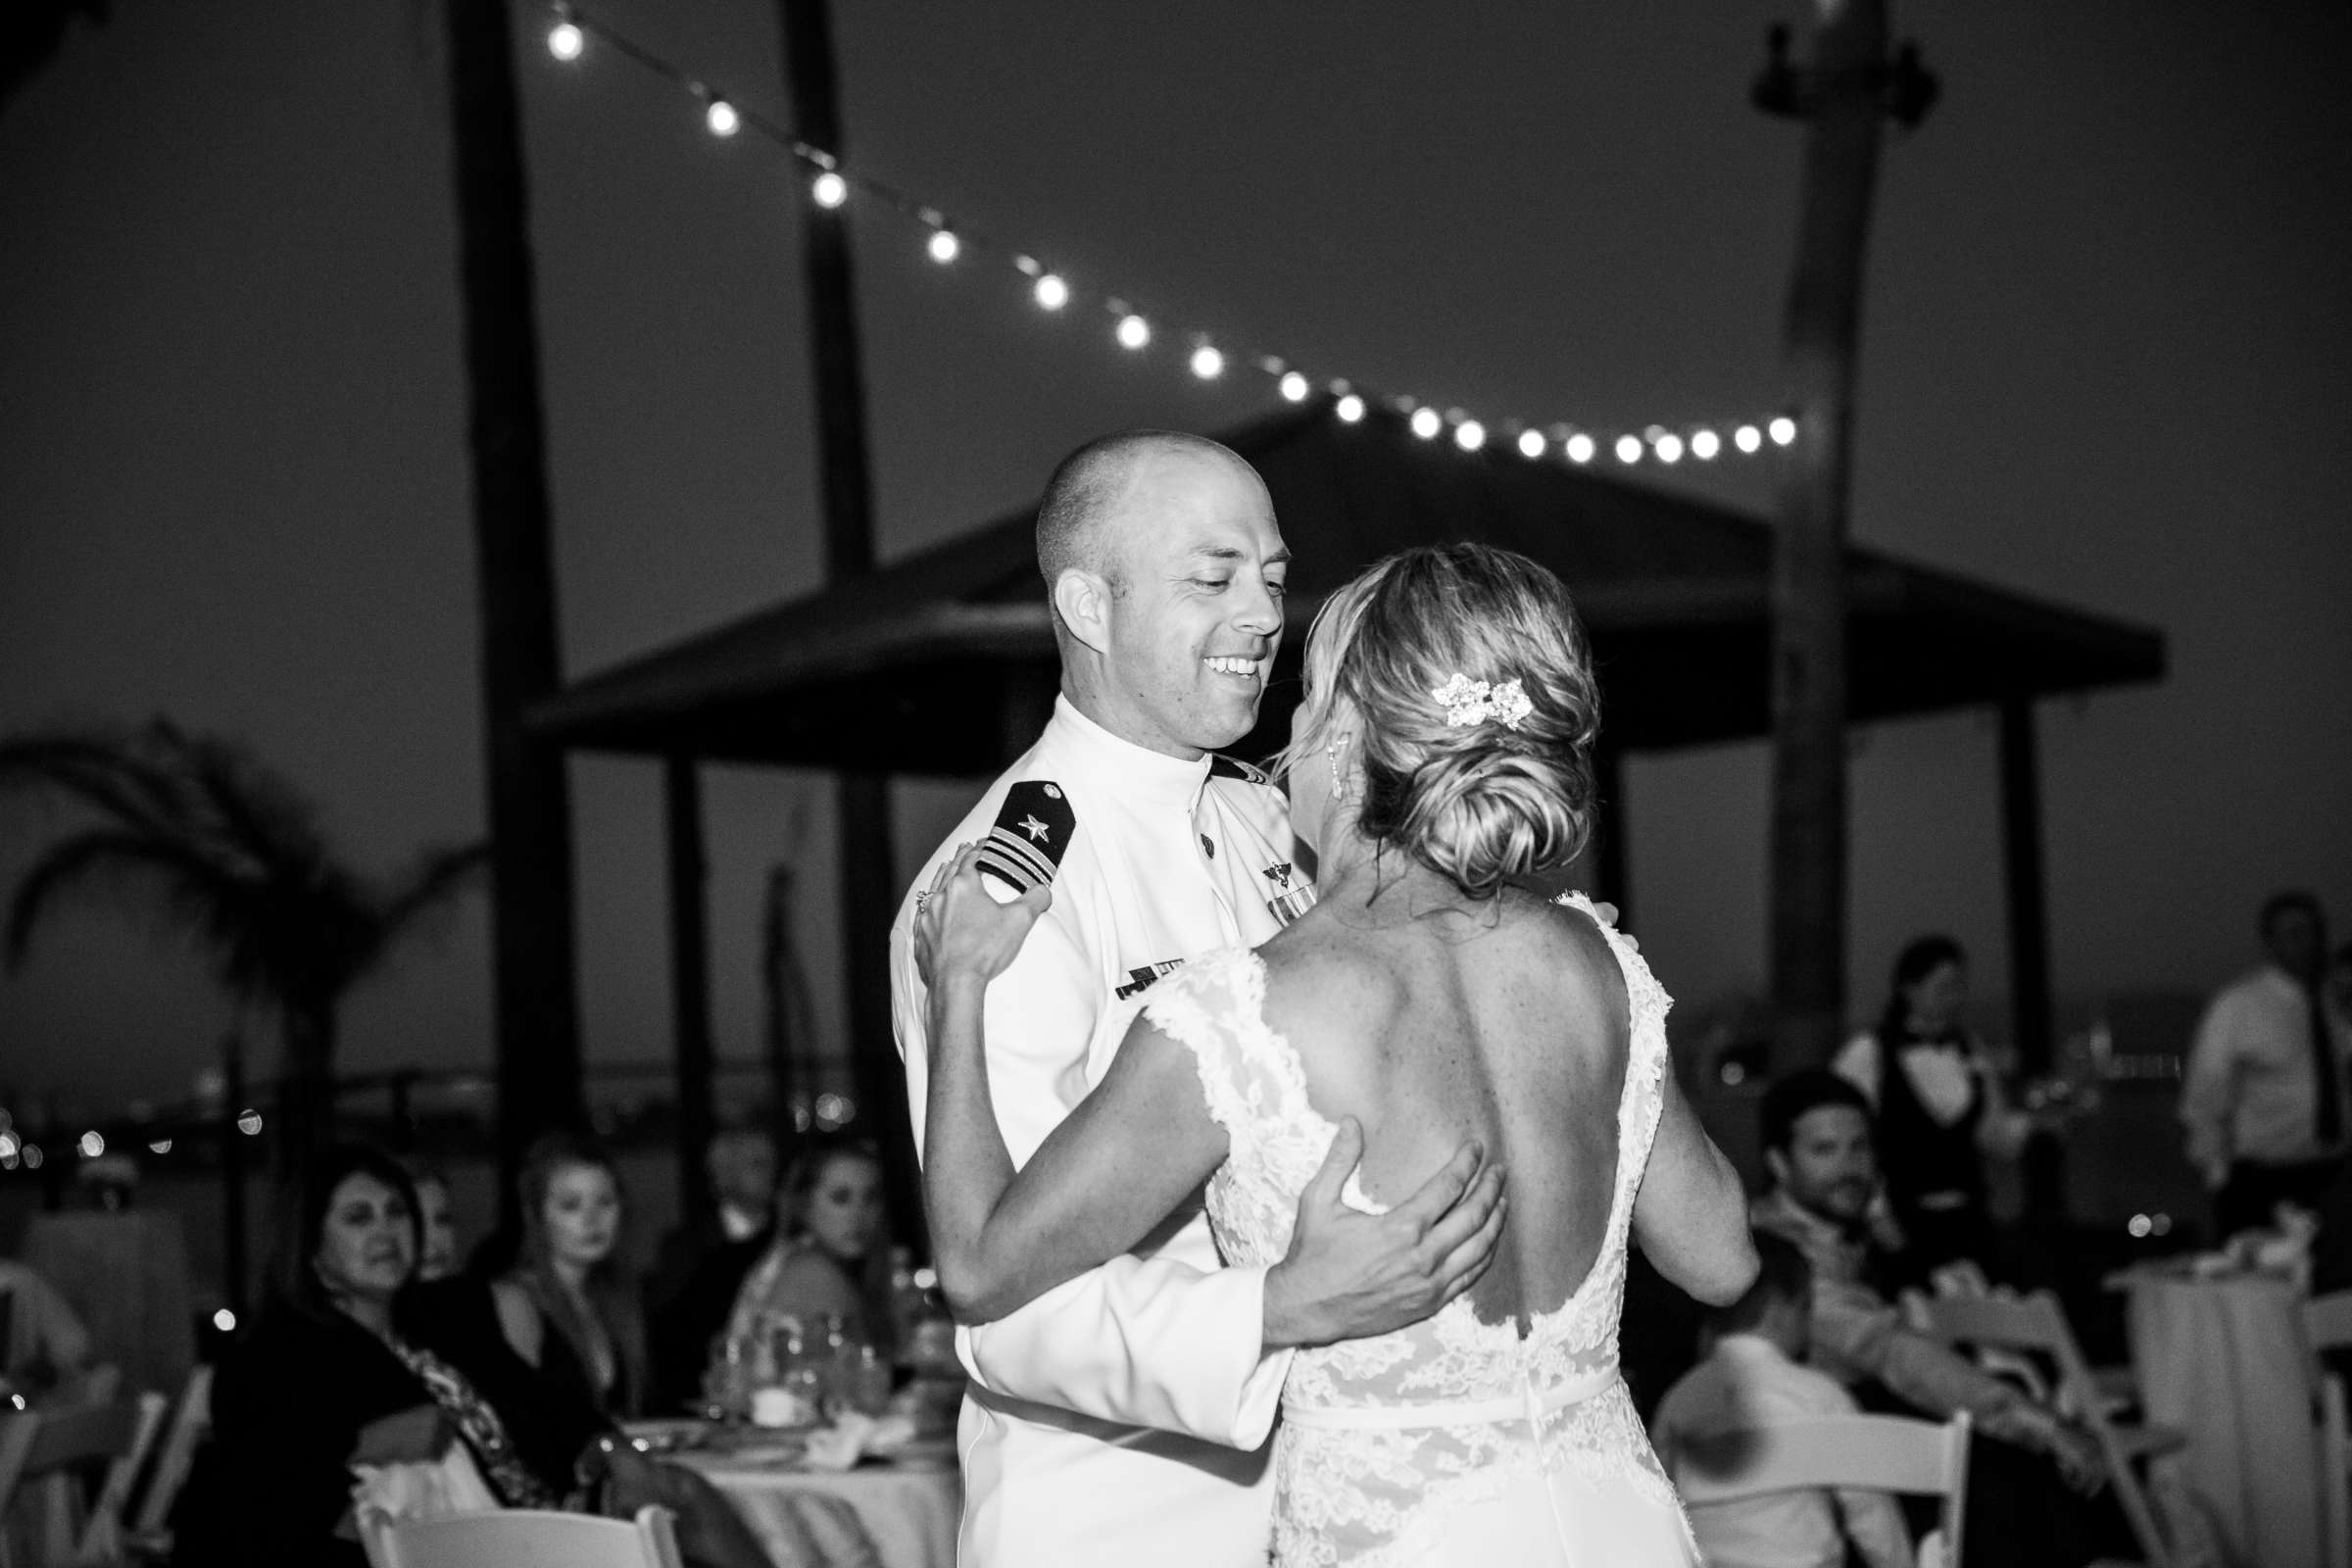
(1082, 598)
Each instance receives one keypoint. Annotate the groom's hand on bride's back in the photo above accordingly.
(1349, 1274)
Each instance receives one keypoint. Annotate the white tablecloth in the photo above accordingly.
(908, 1513)
(2223, 1359)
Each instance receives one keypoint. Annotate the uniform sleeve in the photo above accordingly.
(2208, 1087)
(1141, 1340)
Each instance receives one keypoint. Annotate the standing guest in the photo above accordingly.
(831, 1255)
(1940, 1113)
(438, 1215)
(1752, 1378)
(2262, 1094)
(1817, 1149)
(1165, 571)
(564, 1305)
(699, 1268)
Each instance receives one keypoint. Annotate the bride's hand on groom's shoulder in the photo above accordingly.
(1349, 1274)
(962, 932)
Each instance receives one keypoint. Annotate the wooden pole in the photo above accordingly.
(534, 962)
(1822, 334)
(2028, 892)
(869, 882)
(689, 981)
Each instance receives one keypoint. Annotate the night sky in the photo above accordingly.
(2107, 360)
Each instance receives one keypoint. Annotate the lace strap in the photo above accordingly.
(1215, 1007)
(1642, 1100)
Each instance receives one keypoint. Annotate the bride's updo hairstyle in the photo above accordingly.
(1480, 803)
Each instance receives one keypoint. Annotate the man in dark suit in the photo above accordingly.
(701, 1263)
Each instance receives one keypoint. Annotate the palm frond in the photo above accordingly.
(188, 883)
(106, 772)
(439, 876)
(262, 816)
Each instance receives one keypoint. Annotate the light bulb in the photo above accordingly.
(721, 118)
(1783, 430)
(1531, 443)
(1469, 435)
(1349, 408)
(1207, 363)
(829, 189)
(1579, 448)
(226, 1321)
(1134, 331)
(1294, 387)
(1747, 438)
(1051, 292)
(1670, 448)
(565, 40)
(1629, 449)
(1704, 444)
(944, 247)
(1427, 422)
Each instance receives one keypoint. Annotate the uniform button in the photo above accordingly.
(1208, 847)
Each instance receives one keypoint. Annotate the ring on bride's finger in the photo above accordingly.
(922, 898)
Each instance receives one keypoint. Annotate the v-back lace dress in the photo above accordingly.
(1451, 1441)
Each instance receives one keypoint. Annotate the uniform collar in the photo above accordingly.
(1148, 777)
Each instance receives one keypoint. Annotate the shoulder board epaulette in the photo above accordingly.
(1032, 832)
(1223, 766)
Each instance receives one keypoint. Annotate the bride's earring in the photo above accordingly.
(1330, 755)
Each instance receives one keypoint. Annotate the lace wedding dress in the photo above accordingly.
(1451, 1441)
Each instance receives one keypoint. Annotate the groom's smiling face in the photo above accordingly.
(1197, 575)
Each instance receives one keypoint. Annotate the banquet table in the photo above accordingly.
(908, 1508)
(2224, 1360)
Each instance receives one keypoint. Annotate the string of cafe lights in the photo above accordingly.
(572, 34)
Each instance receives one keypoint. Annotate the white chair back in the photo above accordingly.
(2036, 1323)
(44, 1443)
(523, 1537)
(2327, 1326)
(190, 1421)
(1878, 1452)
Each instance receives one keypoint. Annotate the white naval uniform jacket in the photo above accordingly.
(1062, 1461)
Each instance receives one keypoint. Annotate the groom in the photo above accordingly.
(1122, 1417)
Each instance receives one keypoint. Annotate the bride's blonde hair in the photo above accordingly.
(1481, 804)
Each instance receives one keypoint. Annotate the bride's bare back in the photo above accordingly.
(1509, 1025)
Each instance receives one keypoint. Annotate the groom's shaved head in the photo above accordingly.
(1089, 490)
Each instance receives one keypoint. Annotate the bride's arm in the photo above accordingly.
(1130, 1153)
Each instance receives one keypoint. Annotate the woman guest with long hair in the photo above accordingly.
(566, 1305)
(1940, 1109)
(831, 1256)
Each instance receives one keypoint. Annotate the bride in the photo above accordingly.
(1439, 761)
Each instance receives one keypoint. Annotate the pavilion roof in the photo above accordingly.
(943, 663)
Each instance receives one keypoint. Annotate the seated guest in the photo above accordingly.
(1817, 1149)
(741, 1163)
(322, 1363)
(701, 1264)
(1939, 1107)
(439, 1259)
(830, 1257)
(1750, 1379)
(44, 1348)
(563, 1305)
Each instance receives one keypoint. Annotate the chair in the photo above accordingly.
(522, 1538)
(2327, 1326)
(1878, 1452)
(42, 1444)
(150, 1534)
(2036, 1323)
